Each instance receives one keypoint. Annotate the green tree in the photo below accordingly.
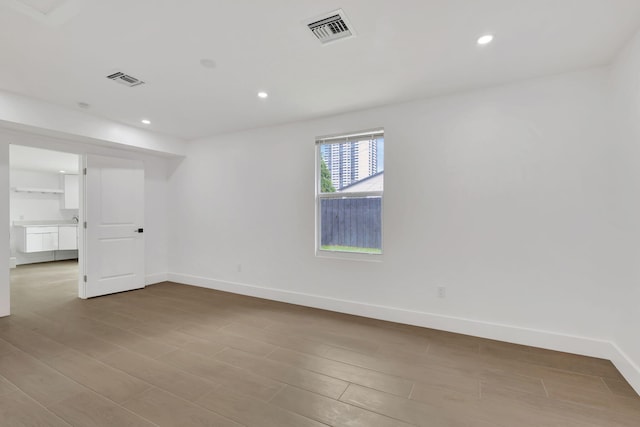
(325, 178)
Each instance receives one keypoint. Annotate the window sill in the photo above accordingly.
(350, 256)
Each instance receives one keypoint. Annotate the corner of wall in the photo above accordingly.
(5, 287)
(625, 107)
(627, 367)
(152, 279)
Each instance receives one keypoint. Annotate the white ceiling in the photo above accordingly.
(37, 159)
(61, 50)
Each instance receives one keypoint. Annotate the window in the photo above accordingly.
(349, 190)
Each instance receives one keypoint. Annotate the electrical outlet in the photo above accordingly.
(239, 268)
(442, 292)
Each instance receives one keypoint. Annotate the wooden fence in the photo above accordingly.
(352, 222)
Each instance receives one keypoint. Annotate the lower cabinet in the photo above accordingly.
(67, 237)
(40, 239)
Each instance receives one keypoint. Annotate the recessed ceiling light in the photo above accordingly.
(208, 63)
(145, 122)
(486, 39)
(63, 171)
(263, 95)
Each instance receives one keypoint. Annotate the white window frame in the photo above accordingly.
(343, 138)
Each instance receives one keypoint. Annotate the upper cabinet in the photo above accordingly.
(71, 192)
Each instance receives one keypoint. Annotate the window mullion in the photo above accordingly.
(338, 195)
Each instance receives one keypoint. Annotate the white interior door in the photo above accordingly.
(114, 213)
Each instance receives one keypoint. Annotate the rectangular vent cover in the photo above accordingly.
(331, 27)
(125, 79)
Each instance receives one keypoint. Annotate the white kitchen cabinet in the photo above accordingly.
(71, 198)
(67, 237)
(33, 243)
(38, 239)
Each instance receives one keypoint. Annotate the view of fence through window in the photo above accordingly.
(350, 188)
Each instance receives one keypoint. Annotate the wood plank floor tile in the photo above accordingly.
(166, 409)
(33, 343)
(447, 392)
(350, 373)
(203, 347)
(19, 410)
(162, 334)
(327, 336)
(161, 375)
(301, 378)
(511, 381)
(171, 354)
(252, 412)
(6, 347)
(516, 407)
(6, 386)
(103, 379)
(69, 334)
(296, 343)
(330, 411)
(43, 383)
(383, 335)
(226, 339)
(412, 412)
(89, 409)
(620, 388)
(223, 374)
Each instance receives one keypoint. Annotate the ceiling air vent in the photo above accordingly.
(125, 79)
(331, 27)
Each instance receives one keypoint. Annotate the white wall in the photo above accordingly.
(625, 88)
(501, 195)
(37, 207)
(156, 227)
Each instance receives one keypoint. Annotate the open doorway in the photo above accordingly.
(44, 213)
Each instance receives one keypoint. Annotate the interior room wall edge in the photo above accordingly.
(5, 291)
(152, 279)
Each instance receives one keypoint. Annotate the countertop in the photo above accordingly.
(45, 223)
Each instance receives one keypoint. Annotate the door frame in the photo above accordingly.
(82, 220)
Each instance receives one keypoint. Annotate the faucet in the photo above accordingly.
(76, 219)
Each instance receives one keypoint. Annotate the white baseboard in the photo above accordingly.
(152, 279)
(21, 258)
(532, 337)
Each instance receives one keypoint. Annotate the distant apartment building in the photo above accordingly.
(350, 162)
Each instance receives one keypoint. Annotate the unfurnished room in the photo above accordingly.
(294, 213)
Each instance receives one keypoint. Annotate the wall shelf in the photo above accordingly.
(37, 190)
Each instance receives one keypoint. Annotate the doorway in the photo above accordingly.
(45, 212)
(52, 193)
